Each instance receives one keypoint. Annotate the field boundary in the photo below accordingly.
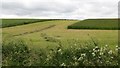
(35, 30)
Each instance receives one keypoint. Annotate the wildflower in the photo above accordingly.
(110, 52)
(101, 53)
(99, 57)
(106, 45)
(75, 58)
(80, 58)
(112, 57)
(75, 44)
(116, 46)
(63, 64)
(93, 54)
(83, 54)
(96, 47)
(59, 50)
(93, 49)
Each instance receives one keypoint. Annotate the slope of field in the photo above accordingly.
(15, 22)
(107, 24)
(60, 31)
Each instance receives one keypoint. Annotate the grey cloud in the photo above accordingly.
(60, 8)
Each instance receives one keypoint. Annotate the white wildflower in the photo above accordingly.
(75, 44)
(83, 55)
(59, 50)
(80, 58)
(93, 54)
(110, 52)
(93, 49)
(112, 57)
(63, 64)
(101, 53)
(75, 58)
(96, 47)
(106, 45)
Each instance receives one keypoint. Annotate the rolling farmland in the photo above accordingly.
(44, 43)
(33, 32)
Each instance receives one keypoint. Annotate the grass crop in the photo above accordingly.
(104, 24)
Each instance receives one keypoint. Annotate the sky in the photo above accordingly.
(59, 9)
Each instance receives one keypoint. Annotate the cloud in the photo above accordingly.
(67, 9)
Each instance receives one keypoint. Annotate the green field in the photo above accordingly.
(47, 36)
(15, 22)
(30, 32)
(105, 24)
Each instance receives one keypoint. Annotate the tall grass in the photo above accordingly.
(17, 53)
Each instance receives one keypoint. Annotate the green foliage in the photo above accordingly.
(16, 53)
(107, 24)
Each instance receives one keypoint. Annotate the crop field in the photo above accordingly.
(15, 22)
(105, 24)
(53, 40)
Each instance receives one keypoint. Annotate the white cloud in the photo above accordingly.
(73, 9)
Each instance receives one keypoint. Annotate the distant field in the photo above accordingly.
(107, 24)
(15, 22)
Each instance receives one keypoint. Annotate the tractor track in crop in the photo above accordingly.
(25, 33)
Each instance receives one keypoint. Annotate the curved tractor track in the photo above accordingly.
(45, 28)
